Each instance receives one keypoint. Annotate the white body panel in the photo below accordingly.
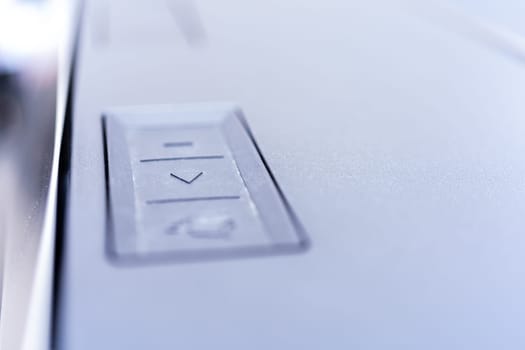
(397, 140)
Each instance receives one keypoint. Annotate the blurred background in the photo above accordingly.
(29, 32)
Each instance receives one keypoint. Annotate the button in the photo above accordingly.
(188, 183)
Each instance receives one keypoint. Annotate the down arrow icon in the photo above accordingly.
(189, 182)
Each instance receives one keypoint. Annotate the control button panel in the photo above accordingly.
(188, 182)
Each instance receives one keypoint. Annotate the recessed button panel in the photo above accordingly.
(188, 182)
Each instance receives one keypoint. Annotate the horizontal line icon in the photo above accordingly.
(178, 144)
